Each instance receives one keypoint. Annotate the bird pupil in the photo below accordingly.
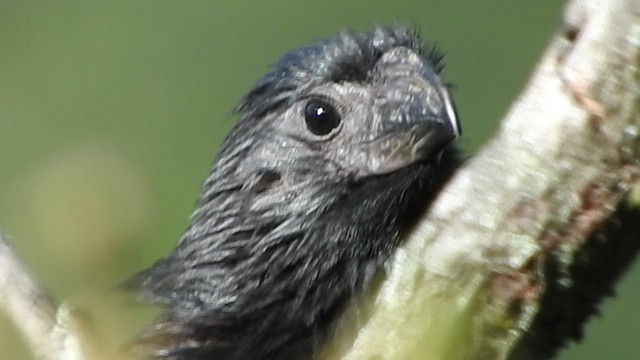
(320, 117)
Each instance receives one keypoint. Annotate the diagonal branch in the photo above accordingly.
(527, 239)
(47, 328)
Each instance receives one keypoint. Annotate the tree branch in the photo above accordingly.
(51, 331)
(533, 232)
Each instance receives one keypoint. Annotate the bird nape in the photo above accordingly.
(337, 151)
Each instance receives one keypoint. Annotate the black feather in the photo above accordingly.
(290, 226)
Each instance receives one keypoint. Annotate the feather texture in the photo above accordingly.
(291, 225)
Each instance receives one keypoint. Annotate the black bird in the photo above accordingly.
(338, 149)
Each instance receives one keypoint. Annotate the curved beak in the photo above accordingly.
(410, 144)
(418, 117)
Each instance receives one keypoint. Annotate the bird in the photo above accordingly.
(336, 152)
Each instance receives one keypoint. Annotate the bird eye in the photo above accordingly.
(321, 117)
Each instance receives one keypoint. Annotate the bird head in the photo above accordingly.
(335, 152)
(356, 106)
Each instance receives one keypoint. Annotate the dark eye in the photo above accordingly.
(320, 117)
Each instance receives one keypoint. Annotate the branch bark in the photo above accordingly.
(520, 247)
(531, 235)
(50, 330)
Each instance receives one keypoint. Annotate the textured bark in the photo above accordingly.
(52, 332)
(532, 234)
(521, 246)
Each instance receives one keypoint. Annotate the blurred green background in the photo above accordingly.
(110, 114)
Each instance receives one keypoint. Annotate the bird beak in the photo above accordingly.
(418, 115)
(451, 115)
(417, 138)
(417, 143)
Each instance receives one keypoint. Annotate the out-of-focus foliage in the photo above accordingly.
(110, 114)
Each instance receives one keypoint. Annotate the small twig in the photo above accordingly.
(45, 326)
